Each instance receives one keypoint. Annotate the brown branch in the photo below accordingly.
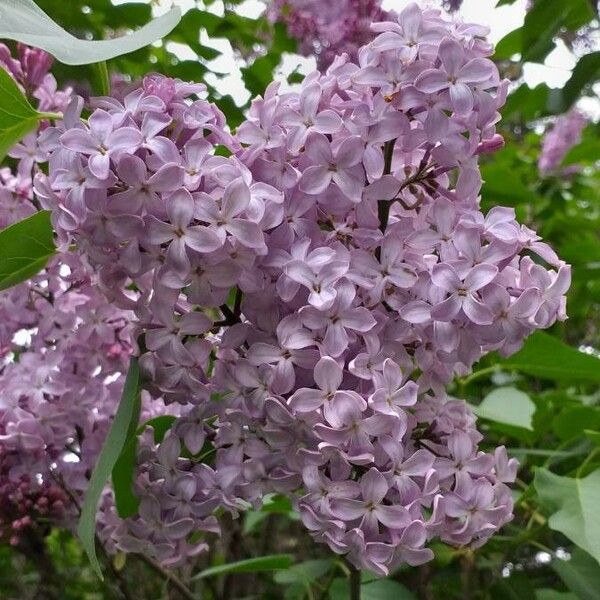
(169, 577)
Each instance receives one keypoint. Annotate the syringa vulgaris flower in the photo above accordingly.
(305, 301)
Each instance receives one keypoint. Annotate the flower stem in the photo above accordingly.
(383, 206)
(169, 577)
(103, 78)
(481, 373)
(354, 583)
(586, 462)
(53, 116)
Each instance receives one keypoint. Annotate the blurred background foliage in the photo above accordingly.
(543, 403)
(258, 44)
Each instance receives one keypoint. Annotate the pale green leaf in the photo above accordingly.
(574, 504)
(507, 405)
(23, 21)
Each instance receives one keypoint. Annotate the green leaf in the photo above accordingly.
(131, 13)
(547, 357)
(380, 589)
(496, 191)
(272, 504)
(573, 420)
(526, 104)
(160, 425)
(304, 573)
(544, 452)
(23, 21)
(509, 45)
(574, 503)
(126, 501)
(272, 562)
(585, 73)
(588, 151)
(282, 42)
(444, 554)
(252, 519)
(509, 406)
(278, 504)
(17, 116)
(127, 412)
(581, 13)
(581, 574)
(541, 23)
(233, 113)
(25, 248)
(504, 2)
(545, 19)
(188, 30)
(260, 73)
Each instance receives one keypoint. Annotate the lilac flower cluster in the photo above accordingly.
(178, 494)
(30, 72)
(309, 287)
(63, 348)
(59, 388)
(326, 30)
(564, 135)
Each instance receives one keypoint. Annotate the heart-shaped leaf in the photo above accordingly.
(574, 502)
(507, 405)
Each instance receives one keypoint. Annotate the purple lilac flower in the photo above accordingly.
(564, 135)
(328, 30)
(305, 301)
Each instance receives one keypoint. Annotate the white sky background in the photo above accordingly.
(555, 72)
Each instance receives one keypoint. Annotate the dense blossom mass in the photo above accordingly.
(304, 291)
(62, 349)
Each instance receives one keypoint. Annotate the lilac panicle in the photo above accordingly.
(307, 288)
